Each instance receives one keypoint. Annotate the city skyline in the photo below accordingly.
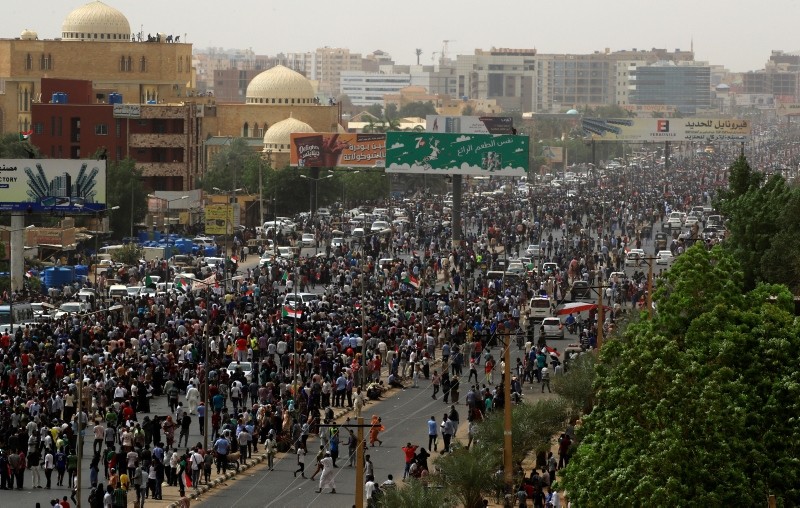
(720, 35)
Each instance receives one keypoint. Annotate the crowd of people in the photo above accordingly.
(387, 308)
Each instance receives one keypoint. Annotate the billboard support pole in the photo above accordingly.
(17, 251)
(667, 149)
(457, 234)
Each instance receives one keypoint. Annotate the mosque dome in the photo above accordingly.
(277, 137)
(280, 85)
(28, 35)
(96, 21)
(573, 112)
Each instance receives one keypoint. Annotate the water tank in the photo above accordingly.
(143, 236)
(58, 277)
(81, 270)
(62, 97)
(115, 98)
(210, 251)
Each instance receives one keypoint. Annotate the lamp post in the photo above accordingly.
(79, 416)
(168, 201)
(312, 196)
(228, 228)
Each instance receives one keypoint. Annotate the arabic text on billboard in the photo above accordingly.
(330, 149)
(667, 129)
(470, 124)
(459, 154)
(127, 110)
(53, 185)
(219, 219)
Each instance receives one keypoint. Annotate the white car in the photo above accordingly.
(664, 257)
(133, 291)
(70, 308)
(358, 232)
(552, 328)
(635, 257)
(309, 240)
(245, 367)
(379, 225)
(337, 242)
(286, 252)
(203, 241)
(534, 250)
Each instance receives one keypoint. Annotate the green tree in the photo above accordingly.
(11, 147)
(707, 418)
(742, 178)
(469, 474)
(576, 386)
(375, 110)
(235, 166)
(417, 109)
(125, 189)
(129, 254)
(415, 494)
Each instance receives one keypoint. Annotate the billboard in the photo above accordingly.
(456, 154)
(470, 124)
(788, 109)
(220, 219)
(127, 110)
(331, 149)
(53, 185)
(553, 154)
(667, 129)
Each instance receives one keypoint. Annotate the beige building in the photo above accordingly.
(327, 66)
(96, 43)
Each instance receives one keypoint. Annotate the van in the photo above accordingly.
(539, 308)
(117, 292)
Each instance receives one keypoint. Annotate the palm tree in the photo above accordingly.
(418, 52)
(415, 494)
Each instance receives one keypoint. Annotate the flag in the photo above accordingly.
(25, 135)
(412, 281)
(298, 330)
(285, 276)
(148, 282)
(288, 311)
(179, 286)
(552, 351)
(390, 304)
(357, 305)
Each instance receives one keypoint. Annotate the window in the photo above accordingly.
(38, 128)
(180, 64)
(28, 62)
(101, 129)
(143, 65)
(245, 130)
(125, 63)
(119, 127)
(119, 153)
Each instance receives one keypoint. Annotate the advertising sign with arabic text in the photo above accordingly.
(331, 149)
(53, 185)
(667, 129)
(456, 154)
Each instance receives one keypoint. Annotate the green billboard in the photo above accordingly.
(456, 154)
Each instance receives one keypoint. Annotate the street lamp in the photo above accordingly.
(310, 196)
(169, 201)
(79, 451)
(228, 226)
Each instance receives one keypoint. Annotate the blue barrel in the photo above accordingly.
(81, 270)
(62, 97)
(55, 98)
(58, 276)
(210, 251)
(143, 236)
(115, 98)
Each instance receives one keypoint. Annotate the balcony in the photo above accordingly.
(162, 168)
(158, 140)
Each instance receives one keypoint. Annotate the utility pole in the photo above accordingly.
(600, 315)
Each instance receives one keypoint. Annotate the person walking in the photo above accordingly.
(375, 430)
(409, 452)
(272, 449)
(546, 379)
(447, 432)
(436, 381)
(301, 461)
(326, 479)
(433, 434)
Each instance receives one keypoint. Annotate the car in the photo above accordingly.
(580, 290)
(552, 268)
(552, 328)
(213, 262)
(324, 212)
(378, 226)
(337, 242)
(42, 311)
(246, 368)
(691, 221)
(516, 269)
(294, 300)
(309, 240)
(286, 252)
(69, 308)
(635, 257)
(534, 250)
(358, 232)
(133, 291)
(266, 259)
(664, 257)
(204, 241)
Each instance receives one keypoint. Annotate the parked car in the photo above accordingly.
(580, 290)
(69, 308)
(309, 240)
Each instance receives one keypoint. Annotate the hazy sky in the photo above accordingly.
(738, 34)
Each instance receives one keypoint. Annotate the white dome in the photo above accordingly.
(96, 21)
(278, 137)
(280, 85)
(28, 35)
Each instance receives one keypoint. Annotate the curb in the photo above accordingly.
(221, 479)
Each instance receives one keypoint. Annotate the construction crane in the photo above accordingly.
(433, 55)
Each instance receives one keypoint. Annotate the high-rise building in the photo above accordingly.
(327, 66)
(683, 86)
(505, 75)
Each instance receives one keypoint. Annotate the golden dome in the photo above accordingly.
(280, 85)
(96, 21)
(278, 136)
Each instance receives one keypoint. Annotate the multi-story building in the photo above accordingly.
(96, 42)
(368, 88)
(162, 138)
(685, 86)
(327, 66)
(505, 75)
(780, 78)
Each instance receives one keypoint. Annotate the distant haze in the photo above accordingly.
(738, 35)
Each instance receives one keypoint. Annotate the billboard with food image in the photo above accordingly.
(331, 149)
